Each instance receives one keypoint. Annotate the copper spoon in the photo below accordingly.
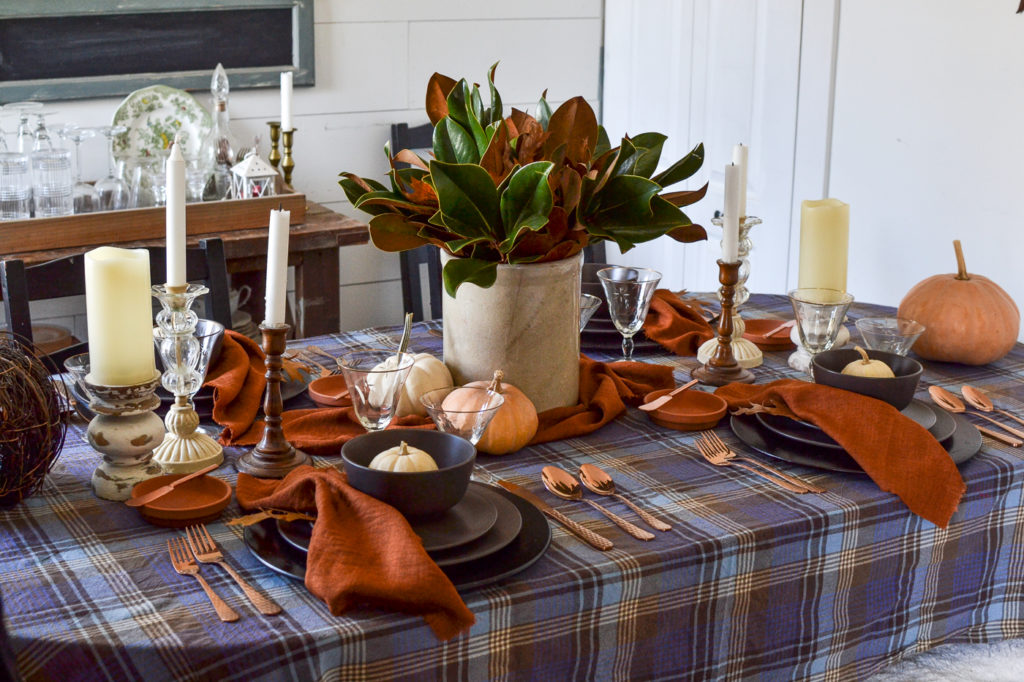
(598, 481)
(982, 402)
(562, 484)
(659, 402)
(951, 403)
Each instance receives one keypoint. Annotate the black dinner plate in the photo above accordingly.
(270, 549)
(964, 443)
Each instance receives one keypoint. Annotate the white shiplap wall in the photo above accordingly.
(373, 60)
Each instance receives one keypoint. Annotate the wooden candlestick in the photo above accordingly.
(722, 368)
(273, 456)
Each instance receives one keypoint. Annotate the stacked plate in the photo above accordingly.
(242, 323)
(600, 333)
(488, 536)
(804, 443)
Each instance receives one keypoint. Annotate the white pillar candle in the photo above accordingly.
(119, 315)
(175, 216)
(824, 244)
(731, 219)
(739, 157)
(277, 267)
(286, 100)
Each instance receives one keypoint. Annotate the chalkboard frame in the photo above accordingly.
(108, 86)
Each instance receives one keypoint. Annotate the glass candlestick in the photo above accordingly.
(744, 247)
(185, 449)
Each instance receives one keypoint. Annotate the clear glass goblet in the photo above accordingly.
(628, 292)
(113, 189)
(588, 306)
(464, 411)
(25, 135)
(819, 316)
(85, 197)
(375, 379)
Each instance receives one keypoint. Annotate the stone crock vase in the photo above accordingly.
(526, 324)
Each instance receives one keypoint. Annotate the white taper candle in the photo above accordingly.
(277, 267)
(731, 219)
(175, 217)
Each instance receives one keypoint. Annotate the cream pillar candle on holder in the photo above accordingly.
(277, 267)
(824, 244)
(731, 219)
(119, 316)
(175, 218)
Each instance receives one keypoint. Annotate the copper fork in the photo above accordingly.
(720, 446)
(205, 549)
(722, 459)
(184, 564)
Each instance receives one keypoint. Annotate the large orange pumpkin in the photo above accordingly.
(514, 424)
(967, 318)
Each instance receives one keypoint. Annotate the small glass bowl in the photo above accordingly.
(588, 306)
(470, 420)
(889, 334)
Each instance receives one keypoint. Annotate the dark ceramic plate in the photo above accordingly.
(961, 446)
(504, 531)
(465, 522)
(267, 545)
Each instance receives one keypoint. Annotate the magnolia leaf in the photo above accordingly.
(459, 271)
(566, 183)
(648, 147)
(468, 199)
(496, 110)
(392, 232)
(574, 125)
(603, 143)
(497, 155)
(688, 233)
(526, 203)
(452, 144)
(461, 109)
(543, 110)
(457, 245)
(410, 157)
(391, 201)
(355, 187)
(438, 88)
(687, 197)
(683, 168)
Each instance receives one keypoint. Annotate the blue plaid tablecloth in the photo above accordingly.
(751, 583)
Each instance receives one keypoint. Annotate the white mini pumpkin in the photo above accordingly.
(403, 457)
(427, 374)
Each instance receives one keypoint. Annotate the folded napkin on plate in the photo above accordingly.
(676, 324)
(362, 552)
(605, 389)
(896, 452)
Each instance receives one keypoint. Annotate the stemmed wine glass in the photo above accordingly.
(375, 379)
(23, 109)
(819, 315)
(113, 189)
(628, 292)
(42, 141)
(86, 197)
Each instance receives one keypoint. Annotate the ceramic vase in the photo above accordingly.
(526, 324)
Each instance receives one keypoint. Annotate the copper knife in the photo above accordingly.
(163, 490)
(590, 537)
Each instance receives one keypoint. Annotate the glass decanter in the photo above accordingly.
(220, 149)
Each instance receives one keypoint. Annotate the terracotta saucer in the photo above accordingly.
(756, 330)
(691, 410)
(329, 391)
(197, 501)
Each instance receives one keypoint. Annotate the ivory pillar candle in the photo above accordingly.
(824, 244)
(119, 316)
(277, 267)
(175, 217)
(731, 219)
(286, 101)
(740, 157)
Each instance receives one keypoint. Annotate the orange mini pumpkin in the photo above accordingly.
(968, 318)
(514, 424)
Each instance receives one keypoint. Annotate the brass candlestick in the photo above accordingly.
(722, 367)
(288, 163)
(275, 135)
(274, 456)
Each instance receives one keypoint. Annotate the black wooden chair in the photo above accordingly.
(66, 277)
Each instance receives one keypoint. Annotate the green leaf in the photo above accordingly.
(459, 271)
(603, 143)
(392, 232)
(468, 199)
(463, 103)
(452, 144)
(543, 110)
(683, 168)
(526, 203)
(389, 201)
(496, 110)
(355, 186)
(623, 213)
(648, 147)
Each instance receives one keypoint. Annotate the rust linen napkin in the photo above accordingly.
(605, 390)
(896, 452)
(238, 383)
(362, 552)
(676, 324)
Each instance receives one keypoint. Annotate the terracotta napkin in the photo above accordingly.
(676, 324)
(605, 390)
(362, 552)
(896, 452)
(238, 383)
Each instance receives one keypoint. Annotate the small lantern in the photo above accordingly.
(252, 177)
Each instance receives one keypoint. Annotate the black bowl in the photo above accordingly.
(425, 493)
(899, 391)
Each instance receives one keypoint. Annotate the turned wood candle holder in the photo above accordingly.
(722, 368)
(273, 456)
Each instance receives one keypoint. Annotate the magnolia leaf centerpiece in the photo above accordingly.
(522, 189)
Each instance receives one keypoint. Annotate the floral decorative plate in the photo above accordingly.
(153, 116)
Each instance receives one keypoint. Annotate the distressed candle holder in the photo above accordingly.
(273, 456)
(125, 431)
(722, 368)
(184, 449)
(288, 163)
(275, 136)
